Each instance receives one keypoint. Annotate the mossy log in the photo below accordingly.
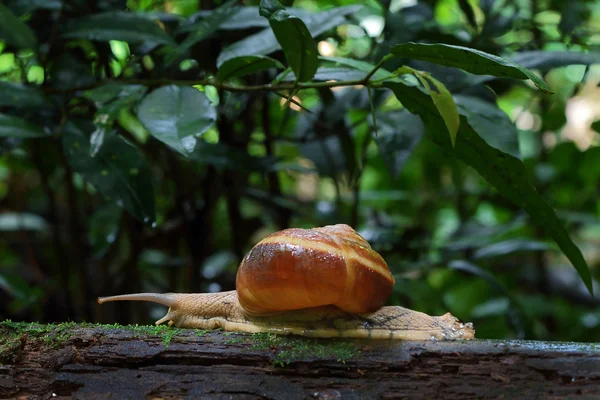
(124, 362)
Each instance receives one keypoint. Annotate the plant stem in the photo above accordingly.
(227, 86)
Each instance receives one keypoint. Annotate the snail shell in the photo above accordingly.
(303, 268)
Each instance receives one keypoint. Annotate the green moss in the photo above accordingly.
(287, 349)
(55, 335)
(9, 346)
(13, 336)
(166, 332)
(50, 335)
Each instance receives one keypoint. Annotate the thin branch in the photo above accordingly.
(231, 87)
(385, 59)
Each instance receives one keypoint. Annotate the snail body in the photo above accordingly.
(320, 282)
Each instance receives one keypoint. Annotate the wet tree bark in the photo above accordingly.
(125, 363)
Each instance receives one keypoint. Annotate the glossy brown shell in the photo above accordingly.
(302, 268)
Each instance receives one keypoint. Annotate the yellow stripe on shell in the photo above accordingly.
(348, 252)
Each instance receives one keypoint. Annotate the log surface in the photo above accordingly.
(125, 363)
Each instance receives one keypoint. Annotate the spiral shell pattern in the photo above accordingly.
(303, 268)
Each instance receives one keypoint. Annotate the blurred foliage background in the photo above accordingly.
(113, 181)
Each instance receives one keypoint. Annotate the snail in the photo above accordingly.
(320, 282)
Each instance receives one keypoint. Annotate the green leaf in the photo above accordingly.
(21, 7)
(69, 72)
(470, 60)
(327, 73)
(118, 25)
(299, 47)
(491, 123)
(475, 270)
(177, 115)
(111, 99)
(441, 98)
(515, 312)
(103, 226)
(203, 29)
(327, 141)
(467, 9)
(11, 126)
(510, 246)
(21, 96)
(264, 42)
(329, 155)
(507, 173)
(596, 126)
(397, 136)
(118, 170)
(445, 104)
(246, 65)
(358, 65)
(14, 31)
(245, 17)
(546, 60)
(114, 90)
(223, 156)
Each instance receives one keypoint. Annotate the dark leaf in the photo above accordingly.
(398, 133)
(487, 6)
(441, 98)
(247, 17)
(113, 90)
(491, 123)
(70, 72)
(510, 246)
(572, 16)
(111, 99)
(505, 172)
(358, 65)
(103, 226)
(470, 60)
(299, 47)
(246, 65)
(327, 154)
(14, 31)
(22, 96)
(118, 171)
(177, 115)
(21, 7)
(596, 126)
(11, 126)
(326, 74)
(491, 308)
(546, 60)
(203, 29)
(264, 42)
(554, 117)
(472, 235)
(475, 270)
(117, 25)
(226, 157)
(515, 312)
(468, 11)
(498, 25)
